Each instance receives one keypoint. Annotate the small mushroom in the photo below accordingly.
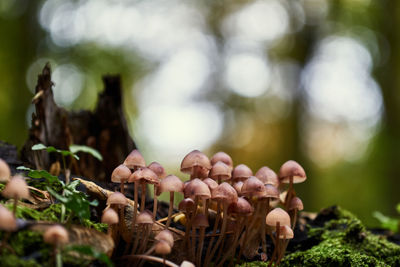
(109, 217)
(121, 175)
(201, 222)
(275, 219)
(291, 173)
(220, 172)
(16, 189)
(195, 163)
(135, 160)
(171, 184)
(241, 173)
(145, 222)
(7, 224)
(159, 170)
(267, 176)
(56, 236)
(222, 156)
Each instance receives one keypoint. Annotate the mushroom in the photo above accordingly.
(121, 175)
(56, 236)
(109, 217)
(195, 163)
(222, 156)
(201, 222)
(226, 194)
(291, 173)
(275, 219)
(5, 172)
(286, 233)
(188, 207)
(162, 247)
(267, 176)
(7, 224)
(220, 172)
(134, 160)
(212, 184)
(159, 170)
(118, 201)
(241, 172)
(145, 222)
(295, 205)
(16, 189)
(171, 184)
(167, 236)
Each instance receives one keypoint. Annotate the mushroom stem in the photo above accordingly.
(276, 249)
(143, 197)
(147, 229)
(290, 193)
(171, 207)
(235, 243)
(135, 206)
(243, 239)
(57, 256)
(216, 223)
(189, 217)
(15, 205)
(201, 242)
(122, 186)
(193, 244)
(222, 233)
(263, 225)
(155, 203)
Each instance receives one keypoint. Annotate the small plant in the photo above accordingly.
(387, 222)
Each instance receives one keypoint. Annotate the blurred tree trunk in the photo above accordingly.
(389, 79)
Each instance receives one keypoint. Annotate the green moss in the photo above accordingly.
(344, 241)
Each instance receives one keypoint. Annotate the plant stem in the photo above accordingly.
(58, 257)
(222, 233)
(143, 197)
(154, 203)
(65, 169)
(171, 207)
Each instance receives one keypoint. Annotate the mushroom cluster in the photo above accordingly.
(227, 211)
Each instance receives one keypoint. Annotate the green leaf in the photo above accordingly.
(50, 149)
(57, 196)
(89, 251)
(386, 222)
(39, 147)
(37, 174)
(78, 148)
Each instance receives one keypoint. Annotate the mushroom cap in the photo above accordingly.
(162, 247)
(238, 187)
(292, 169)
(253, 187)
(120, 173)
(187, 205)
(158, 169)
(194, 159)
(144, 175)
(285, 232)
(241, 172)
(56, 235)
(7, 220)
(167, 236)
(171, 183)
(134, 160)
(187, 264)
(145, 217)
(296, 203)
(16, 188)
(211, 183)
(271, 191)
(220, 170)
(267, 176)
(117, 198)
(225, 193)
(196, 188)
(277, 215)
(222, 156)
(241, 207)
(109, 217)
(200, 220)
(5, 172)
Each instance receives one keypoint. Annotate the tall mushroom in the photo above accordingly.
(195, 163)
(16, 189)
(145, 222)
(118, 201)
(201, 222)
(291, 173)
(121, 175)
(188, 207)
(158, 169)
(171, 184)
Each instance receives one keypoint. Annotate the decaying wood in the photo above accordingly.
(105, 129)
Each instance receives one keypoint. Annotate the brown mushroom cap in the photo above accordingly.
(7, 220)
(292, 169)
(195, 159)
(211, 183)
(296, 203)
(271, 191)
(158, 169)
(171, 183)
(134, 160)
(16, 188)
(145, 217)
(187, 205)
(117, 198)
(285, 232)
(120, 173)
(225, 193)
(109, 217)
(196, 187)
(253, 187)
(277, 215)
(162, 247)
(146, 175)
(241, 172)
(238, 187)
(267, 176)
(56, 235)
(5, 172)
(241, 207)
(222, 156)
(167, 236)
(200, 220)
(220, 170)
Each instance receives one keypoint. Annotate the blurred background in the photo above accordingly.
(265, 81)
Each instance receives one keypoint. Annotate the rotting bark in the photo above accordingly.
(105, 129)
